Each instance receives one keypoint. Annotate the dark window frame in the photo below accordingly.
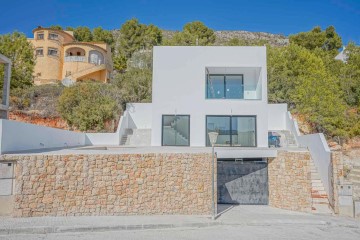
(40, 34)
(52, 49)
(230, 116)
(53, 38)
(162, 128)
(224, 80)
(38, 49)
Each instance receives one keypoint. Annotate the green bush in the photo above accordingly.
(41, 100)
(87, 106)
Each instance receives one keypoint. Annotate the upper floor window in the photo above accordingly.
(96, 57)
(53, 36)
(40, 36)
(52, 51)
(39, 52)
(225, 86)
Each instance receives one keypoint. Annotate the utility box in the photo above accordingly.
(6, 178)
(346, 203)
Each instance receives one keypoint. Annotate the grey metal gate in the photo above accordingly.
(242, 182)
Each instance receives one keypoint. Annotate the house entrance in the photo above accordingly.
(242, 181)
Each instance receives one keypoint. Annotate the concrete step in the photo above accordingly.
(354, 177)
(317, 184)
(317, 188)
(317, 192)
(322, 208)
(316, 181)
(315, 176)
(355, 182)
(320, 201)
(355, 170)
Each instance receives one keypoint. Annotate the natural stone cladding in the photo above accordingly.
(290, 181)
(337, 178)
(123, 184)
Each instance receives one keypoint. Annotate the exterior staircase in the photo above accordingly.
(319, 197)
(87, 71)
(126, 137)
(354, 177)
(136, 137)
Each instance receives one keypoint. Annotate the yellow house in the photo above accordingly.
(59, 56)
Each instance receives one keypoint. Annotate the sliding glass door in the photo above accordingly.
(238, 131)
(229, 86)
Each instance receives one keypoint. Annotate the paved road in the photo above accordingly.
(277, 232)
(240, 222)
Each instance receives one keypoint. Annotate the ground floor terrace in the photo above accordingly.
(103, 180)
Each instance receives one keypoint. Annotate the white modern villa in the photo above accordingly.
(197, 90)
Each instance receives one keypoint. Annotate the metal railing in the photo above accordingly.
(75, 59)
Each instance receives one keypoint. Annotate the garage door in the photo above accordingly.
(242, 182)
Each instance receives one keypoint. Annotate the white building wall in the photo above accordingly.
(140, 115)
(179, 87)
(18, 136)
(277, 116)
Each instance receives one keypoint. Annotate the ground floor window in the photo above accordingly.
(176, 130)
(239, 131)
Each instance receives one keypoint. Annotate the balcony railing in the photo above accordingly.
(75, 59)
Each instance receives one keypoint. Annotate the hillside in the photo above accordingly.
(224, 36)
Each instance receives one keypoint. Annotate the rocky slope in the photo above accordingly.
(224, 36)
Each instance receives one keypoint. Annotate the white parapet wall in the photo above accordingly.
(140, 115)
(277, 116)
(18, 136)
(97, 139)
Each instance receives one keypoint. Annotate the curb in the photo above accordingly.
(45, 230)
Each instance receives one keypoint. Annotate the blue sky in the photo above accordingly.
(276, 16)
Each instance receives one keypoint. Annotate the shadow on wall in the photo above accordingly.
(242, 182)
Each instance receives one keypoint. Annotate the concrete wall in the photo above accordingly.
(18, 136)
(179, 87)
(102, 139)
(123, 184)
(290, 181)
(140, 115)
(277, 116)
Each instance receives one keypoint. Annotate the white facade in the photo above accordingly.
(179, 88)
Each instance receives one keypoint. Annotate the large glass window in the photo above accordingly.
(243, 131)
(221, 125)
(176, 130)
(225, 86)
(239, 131)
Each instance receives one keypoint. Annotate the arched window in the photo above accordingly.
(96, 57)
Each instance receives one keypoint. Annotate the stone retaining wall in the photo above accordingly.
(290, 181)
(59, 185)
(337, 178)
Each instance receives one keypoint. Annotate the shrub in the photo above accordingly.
(86, 106)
